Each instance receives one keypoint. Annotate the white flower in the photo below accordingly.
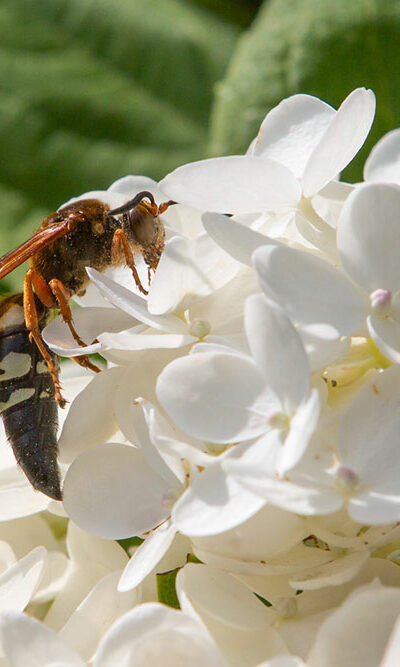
(131, 326)
(365, 292)
(366, 472)
(302, 146)
(225, 396)
(153, 634)
(27, 641)
(132, 486)
(91, 559)
(357, 634)
(237, 620)
(383, 162)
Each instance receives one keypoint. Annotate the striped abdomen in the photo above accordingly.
(27, 405)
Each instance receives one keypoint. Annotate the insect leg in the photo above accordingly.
(62, 295)
(120, 243)
(32, 324)
(84, 361)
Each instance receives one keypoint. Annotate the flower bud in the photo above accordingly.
(199, 328)
(381, 301)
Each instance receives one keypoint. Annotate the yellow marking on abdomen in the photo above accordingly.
(14, 365)
(41, 367)
(17, 396)
(14, 316)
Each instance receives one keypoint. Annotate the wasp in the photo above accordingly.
(84, 233)
(27, 403)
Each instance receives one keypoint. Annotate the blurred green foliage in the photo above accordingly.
(325, 48)
(92, 90)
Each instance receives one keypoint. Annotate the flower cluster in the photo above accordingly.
(246, 427)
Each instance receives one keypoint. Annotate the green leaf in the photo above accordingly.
(321, 48)
(129, 542)
(94, 90)
(191, 558)
(166, 588)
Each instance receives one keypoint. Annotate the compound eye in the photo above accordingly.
(143, 225)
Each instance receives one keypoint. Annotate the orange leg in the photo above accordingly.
(32, 324)
(163, 207)
(120, 244)
(62, 296)
(84, 361)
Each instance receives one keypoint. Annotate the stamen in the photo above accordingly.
(279, 420)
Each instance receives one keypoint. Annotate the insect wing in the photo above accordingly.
(40, 240)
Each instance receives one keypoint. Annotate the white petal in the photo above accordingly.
(86, 550)
(369, 236)
(392, 653)
(277, 351)
(267, 534)
(146, 556)
(184, 220)
(188, 268)
(130, 340)
(91, 559)
(214, 503)
(309, 289)
(95, 614)
(255, 472)
(386, 335)
(111, 492)
(383, 163)
(17, 497)
(315, 232)
(323, 345)
(153, 436)
(222, 597)
(302, 427)
(243, 648)
(90, 420)
(54, 578)
(283, 661)
(215, 397)
(25, 642)
(374, 509)
(26, 533)
(291, 130)
(119, 274)
(352, 635)
(235, 184)
(333, 573)
(235, 238)
(134, 305)
(154, 634)
(341, 141)
(224, 309)
(130, 186)
(139, 380)
(337, 191)
(89, 323)
(368, 435)
(20, 581)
